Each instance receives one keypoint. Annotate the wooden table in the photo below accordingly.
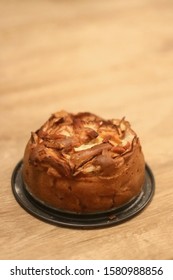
(113, 58)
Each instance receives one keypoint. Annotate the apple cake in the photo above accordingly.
(83, 163)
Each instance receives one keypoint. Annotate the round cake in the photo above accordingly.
(84, 164)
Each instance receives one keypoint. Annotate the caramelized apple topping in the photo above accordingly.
(69, 144)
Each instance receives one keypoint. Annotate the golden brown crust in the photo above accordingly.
(83, 163)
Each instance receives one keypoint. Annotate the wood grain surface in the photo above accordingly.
(113, 58)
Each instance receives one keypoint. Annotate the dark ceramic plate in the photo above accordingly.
(84, 221)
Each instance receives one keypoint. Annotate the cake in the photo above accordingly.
(83, 163)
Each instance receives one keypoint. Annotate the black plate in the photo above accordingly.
(83, 221)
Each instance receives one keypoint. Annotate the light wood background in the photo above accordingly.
(113, 58)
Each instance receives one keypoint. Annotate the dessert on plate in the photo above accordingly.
(83, 163)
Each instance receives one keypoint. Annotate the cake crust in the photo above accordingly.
(83, 163)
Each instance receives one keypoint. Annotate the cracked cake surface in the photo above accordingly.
(83, 163)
